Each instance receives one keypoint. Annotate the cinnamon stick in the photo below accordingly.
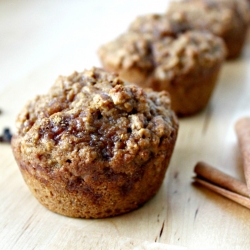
(222, 183)
(219, 178)
(242, 200)
(242, 128)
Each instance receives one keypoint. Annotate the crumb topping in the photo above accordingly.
(92, 117)
(160, 25)
(168, 56)
(191, 49)
(217, 16)
(128, 50)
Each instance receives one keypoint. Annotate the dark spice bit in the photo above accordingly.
(1, 111)
(6, 135)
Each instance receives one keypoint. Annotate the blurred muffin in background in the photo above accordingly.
(228, 19)
(161, 52)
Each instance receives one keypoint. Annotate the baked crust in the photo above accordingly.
(188, 69)
(184, 64)
(94, 147)
(228, 19)
(130, 55)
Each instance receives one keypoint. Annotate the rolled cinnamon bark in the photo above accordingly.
(242, 128)
(242, 200)
(221, 179)
(222, 184)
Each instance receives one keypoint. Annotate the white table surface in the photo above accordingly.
(34, 32)
(40, 40)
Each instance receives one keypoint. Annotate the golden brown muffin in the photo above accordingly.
(228, 19)
(160, 26)
(94, 147)
(188, 68)
(184, 63)
(130, 55)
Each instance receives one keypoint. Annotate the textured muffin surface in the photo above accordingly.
(160, 26)
(218, 16)
(184, 62)
(228, 19)
(94, 147)
(190, 51)
(181, 52)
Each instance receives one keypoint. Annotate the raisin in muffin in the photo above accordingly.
(228, 19)
(94, 147)
(163, 54)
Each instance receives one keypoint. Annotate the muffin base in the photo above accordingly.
(131, 75)
(234, 40)
(109, 193)
(190, 93)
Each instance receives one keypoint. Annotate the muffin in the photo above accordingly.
(160, 26)
(188, 69)
(184, 63)
(228, 19)
(95, 147)
(129, 55)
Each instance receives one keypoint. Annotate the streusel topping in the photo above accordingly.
(92, 119)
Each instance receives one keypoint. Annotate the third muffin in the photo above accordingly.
(228, 19)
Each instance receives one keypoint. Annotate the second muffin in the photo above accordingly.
(162, 54)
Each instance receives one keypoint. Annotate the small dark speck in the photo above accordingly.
(196, 212)
(176, 175)
(189, 199)
(6, 136)
(129, 130)
(162, 228)
(175, 192)
(1, 111)
(179, 239)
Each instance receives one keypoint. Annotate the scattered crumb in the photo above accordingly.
(6, 135)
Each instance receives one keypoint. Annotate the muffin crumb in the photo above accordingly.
(6, 136)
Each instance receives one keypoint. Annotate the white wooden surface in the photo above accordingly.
(40, 40)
